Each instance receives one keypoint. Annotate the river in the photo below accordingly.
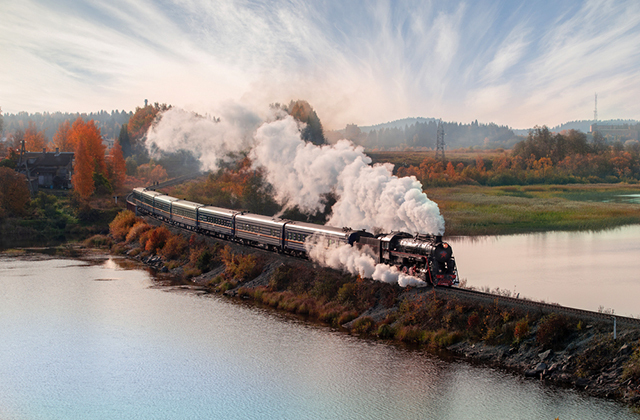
(83, 340)
(587, 270)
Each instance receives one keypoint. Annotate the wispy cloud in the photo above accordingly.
(366, 62)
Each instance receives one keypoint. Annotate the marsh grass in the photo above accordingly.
(475, 210)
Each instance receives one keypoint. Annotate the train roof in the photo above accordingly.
(321, 229)
(150, 193)
(258, 218)
(166, 198)
(187, 204)
(217, 210)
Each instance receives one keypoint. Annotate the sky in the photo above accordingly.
(513, 63)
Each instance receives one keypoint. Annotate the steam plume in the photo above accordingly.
(368, 197)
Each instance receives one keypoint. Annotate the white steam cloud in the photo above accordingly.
(368, 196)
(210, 140)
(358, 262)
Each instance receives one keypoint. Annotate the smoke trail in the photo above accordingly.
(357, 262)
(369, 197)
(209, 140)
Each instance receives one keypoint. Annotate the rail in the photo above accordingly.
(545, 308)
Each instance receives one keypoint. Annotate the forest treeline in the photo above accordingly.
(422, 135)
(543, 157)
(109, 123)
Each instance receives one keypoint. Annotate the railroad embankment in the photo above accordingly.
(551, 344)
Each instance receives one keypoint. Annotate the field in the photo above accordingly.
(479, 210)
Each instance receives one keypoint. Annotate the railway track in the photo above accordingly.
(544, 308)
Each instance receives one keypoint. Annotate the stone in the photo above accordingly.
(545, 355)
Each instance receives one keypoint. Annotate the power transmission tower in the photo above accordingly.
(440, 142)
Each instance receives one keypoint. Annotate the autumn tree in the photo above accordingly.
(116, 166)
(62, 137)
(34, 140)
(14, 193)
(141, 120)
(89, 151)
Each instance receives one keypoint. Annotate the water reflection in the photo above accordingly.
(75, 348)
(581, 269)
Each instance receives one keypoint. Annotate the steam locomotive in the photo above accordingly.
(424, 256)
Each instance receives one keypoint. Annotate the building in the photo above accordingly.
(616, 132)
(47, 170)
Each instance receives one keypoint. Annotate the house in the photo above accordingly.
(50, 170)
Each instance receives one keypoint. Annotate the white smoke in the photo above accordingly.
(369, 197)
(210, 140)
(348, 258)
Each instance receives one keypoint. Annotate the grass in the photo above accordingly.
(478, 210)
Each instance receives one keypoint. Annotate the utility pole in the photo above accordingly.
(440, 142)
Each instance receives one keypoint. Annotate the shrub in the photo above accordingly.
(363, 325)
(157, 239)
(174, 247)
(347, 293)
(347, 317)
(121, 224)
(98, 241)
(521, 330)
(240, 267)
(632, 367)
(385, 332)
(136, 230)
(552, 331)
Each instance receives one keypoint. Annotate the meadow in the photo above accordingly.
(483, 210)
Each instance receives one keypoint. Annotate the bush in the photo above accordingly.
(136, 230)
(385, 332)
(552, 331)
(363, 325)
(632, 367)
(174, 248)
(157, 238)
(98, 241)
(521, 330)
(121, 224)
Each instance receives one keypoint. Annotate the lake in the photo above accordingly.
(92, 340)
(587, 270)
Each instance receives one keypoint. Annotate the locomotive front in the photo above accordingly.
(426, 254)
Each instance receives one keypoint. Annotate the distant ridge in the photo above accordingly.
(397, 123)
(581, 125)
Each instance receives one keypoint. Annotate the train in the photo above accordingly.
(424, 256)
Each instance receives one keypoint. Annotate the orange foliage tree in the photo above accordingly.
(89, 151)
(116, 166)
(62, 137)
(142, 119)
(34, 140)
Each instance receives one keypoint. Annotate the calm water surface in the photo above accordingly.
(82, 341)
(584, 270)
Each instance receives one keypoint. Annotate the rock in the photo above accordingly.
(545, 355)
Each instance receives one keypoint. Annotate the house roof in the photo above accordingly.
(48, 158)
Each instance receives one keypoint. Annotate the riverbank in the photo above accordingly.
(561, 349)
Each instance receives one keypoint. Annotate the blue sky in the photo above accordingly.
(515, 63)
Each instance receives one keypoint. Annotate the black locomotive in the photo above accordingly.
(423, 256)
